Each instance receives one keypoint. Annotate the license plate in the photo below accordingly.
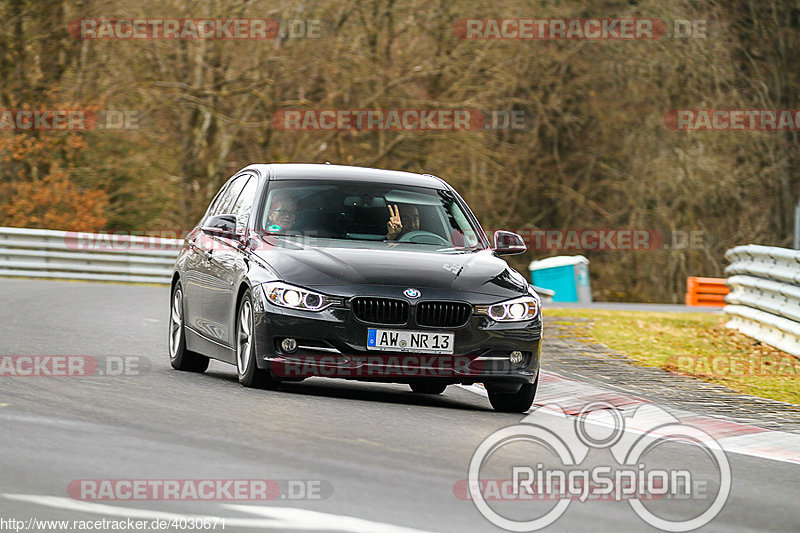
(409, 341)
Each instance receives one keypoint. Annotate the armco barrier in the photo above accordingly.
(86, 256)
(764, 302)
(39, 253)
(708, 292)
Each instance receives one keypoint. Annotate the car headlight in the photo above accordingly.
(516, 310)
(286, 295)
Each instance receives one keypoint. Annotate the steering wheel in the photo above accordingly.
(423, 237)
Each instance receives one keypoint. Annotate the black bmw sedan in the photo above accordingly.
(300, 270)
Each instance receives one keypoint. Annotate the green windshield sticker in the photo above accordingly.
(274, 227)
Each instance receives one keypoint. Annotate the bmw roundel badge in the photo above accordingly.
(411, 293)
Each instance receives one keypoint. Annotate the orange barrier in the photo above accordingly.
(708, 292)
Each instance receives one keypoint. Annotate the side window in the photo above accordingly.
(462, 227)
(225, 204)
(212, 209)
(244, 204)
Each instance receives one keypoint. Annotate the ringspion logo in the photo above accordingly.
(681, 496)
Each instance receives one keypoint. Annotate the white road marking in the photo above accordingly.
(274, 518)
(322, 520)
(734, 437)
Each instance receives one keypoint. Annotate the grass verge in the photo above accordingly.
(691, 344)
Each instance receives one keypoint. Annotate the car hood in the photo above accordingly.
(350, 263)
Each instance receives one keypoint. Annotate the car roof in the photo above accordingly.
(289, 171)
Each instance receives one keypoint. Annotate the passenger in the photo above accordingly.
(401, 221)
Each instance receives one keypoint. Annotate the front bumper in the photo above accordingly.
(333, 343)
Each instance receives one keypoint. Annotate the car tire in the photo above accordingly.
(514, 402)
(179, 357)
(249, 374)
(427, 388)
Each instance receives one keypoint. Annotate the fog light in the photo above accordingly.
(288, 345)
(515, 357)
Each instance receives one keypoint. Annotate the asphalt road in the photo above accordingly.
(381, 457)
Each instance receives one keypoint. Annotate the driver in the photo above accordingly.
(401, 221)
(281, 213)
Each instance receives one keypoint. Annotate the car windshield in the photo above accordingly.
(367, 211)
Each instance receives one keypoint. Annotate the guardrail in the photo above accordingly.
(39, 253)
(86, 256)
(764, 302)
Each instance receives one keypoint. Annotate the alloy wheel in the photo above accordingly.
(244, 337)
(176, 323)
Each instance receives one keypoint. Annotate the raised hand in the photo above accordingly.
(395, 225)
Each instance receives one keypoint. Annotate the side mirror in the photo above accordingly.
(507, 243)
(222, 226)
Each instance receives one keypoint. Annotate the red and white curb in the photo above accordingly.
(734, 437)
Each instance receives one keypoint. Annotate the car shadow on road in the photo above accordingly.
(373, 392)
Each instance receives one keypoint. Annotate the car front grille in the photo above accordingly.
(443, 314)
(380, 310)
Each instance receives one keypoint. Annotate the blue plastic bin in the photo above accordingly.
(568, 276)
